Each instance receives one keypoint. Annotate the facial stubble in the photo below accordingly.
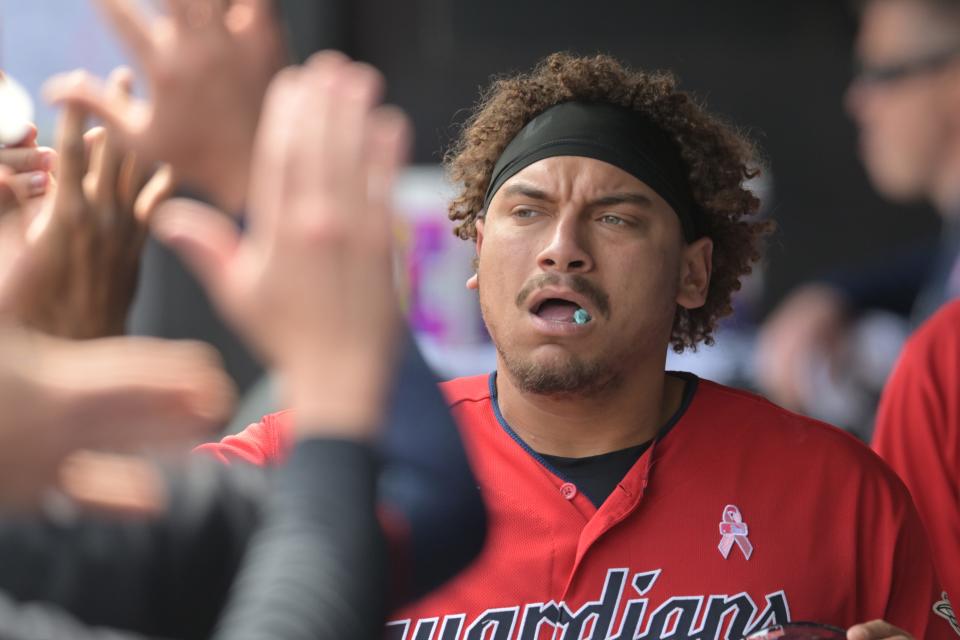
(566, 374)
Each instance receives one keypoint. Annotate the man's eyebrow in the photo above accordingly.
(526, 190)
(626, 197)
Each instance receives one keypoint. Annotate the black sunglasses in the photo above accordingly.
(889, 73)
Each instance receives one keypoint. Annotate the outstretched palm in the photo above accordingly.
(207, 65)
(310, 283)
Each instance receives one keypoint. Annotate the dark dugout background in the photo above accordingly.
(777, 70)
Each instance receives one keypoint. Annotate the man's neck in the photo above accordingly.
(580, 426)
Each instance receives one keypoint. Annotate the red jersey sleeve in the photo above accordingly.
(918, 434)
(261, 443)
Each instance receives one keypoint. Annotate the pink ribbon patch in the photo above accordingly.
(733, 531)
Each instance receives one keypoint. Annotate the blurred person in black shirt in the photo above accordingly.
(905, 99)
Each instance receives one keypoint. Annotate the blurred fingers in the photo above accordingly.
(14, 262)
(123, 115)
(243, 14)
(73, 157)
(113, 484)
(9, 199)
(158, 188)
(24, 185)
(195, 15)
(28, 159)
(106, 172)
(94, 142)
(30, 169)
(130, 23)
(388, 149)
(340, 93)
(122, 393)
(275, 135)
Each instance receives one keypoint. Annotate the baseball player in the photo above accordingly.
(625, 501)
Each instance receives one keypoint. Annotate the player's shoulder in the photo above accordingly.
(770, 428)
(919, 401)
(946, 318)
(938, 338)
(739, 403)
(468, 389)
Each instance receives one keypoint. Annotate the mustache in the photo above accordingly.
(578, 283)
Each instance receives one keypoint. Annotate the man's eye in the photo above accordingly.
(612, 219)
(525, 213)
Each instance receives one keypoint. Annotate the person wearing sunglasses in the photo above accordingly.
(903, 98)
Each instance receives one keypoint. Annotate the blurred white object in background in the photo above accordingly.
(16, 110)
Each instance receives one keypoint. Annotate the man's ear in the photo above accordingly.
(696, 266)
(473, 282)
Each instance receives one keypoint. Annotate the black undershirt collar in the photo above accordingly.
(597, 476)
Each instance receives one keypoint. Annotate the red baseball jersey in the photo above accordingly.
(918, 433)
(740, 516)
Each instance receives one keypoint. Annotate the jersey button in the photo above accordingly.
(568, 490)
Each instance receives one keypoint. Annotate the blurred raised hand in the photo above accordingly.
(808, 327)
(310, 282)
(63, 396)
(80, 252)
(26, 169)
(69, 268)
(207, 64)
(115, 394)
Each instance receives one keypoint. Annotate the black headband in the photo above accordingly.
(622, 137)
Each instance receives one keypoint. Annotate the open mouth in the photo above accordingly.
(560, 310)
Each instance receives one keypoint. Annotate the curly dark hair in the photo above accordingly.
(718, 157)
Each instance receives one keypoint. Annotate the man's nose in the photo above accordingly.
(567, 250)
